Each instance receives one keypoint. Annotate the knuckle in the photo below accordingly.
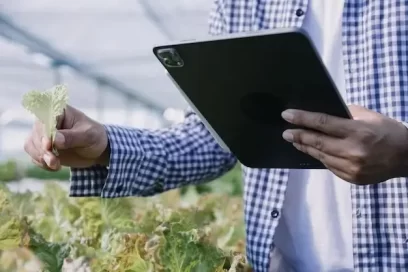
(358, 155)
(297, 136)
(321, 120)
(318, 142)
(68, 139)
(92, 134)
(302, 148)
(355, 172)
(321, 156)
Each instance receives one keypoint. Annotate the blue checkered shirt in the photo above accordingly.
(375, 50)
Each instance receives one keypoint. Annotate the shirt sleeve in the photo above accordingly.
(146, 162)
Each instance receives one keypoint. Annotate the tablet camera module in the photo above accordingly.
(170, 58)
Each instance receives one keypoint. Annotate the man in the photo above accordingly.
(352, 216)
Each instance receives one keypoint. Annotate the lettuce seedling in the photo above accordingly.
(47, 106)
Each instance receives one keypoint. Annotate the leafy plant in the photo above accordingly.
(8, 171)
(12, 170)
(47, 106)
(39, 173)
(163, 233)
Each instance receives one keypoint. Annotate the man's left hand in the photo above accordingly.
(368, 149)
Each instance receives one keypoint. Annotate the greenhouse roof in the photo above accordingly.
(97, 45)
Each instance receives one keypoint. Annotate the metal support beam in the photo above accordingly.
(14, 33)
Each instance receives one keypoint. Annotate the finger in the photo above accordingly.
(51, 161)
(41, 141)
(31, 149)
(46, 144)
(60, 119)
(44, 166)
(361, 113)
(38, 128)
(324, 143)
(327, 159)
(45, 157)
(337, 166)
(37, 156)
(74, 138)
(325, 123)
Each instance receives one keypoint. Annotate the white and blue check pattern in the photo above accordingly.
(375, 49)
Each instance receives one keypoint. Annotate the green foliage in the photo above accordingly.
(230, 183)
(51, 255)
(8, 171)
(39, 173)
(164, 233)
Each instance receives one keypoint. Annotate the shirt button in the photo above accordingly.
(358, 213)
(275, 213)
(299, 12)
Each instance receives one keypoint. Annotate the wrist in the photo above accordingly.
(105, 156)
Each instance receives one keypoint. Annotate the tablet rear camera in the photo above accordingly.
(170, 58)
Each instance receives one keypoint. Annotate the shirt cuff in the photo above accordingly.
(116, 180)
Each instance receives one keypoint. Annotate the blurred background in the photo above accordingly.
(102, 51)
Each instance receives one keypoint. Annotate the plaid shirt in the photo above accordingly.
(375, 50)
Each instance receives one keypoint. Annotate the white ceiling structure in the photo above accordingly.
(108, 40)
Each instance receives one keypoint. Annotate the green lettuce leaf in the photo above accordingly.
(51, 255)
(47, 106)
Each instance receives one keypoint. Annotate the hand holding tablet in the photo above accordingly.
(240, 84)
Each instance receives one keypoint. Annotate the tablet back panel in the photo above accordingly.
(241, 85)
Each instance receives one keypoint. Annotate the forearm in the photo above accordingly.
(144, 162)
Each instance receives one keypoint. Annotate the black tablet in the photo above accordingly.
(239, 84)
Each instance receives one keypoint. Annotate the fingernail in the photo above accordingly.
(288, 115)
(47, 159)
(59, 139)
(288, 136)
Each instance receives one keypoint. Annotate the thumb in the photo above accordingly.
(70, 138)
(363, 114)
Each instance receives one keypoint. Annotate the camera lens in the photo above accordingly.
(167, 61)
(170, 57)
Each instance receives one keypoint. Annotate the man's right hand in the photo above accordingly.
(81, 142)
